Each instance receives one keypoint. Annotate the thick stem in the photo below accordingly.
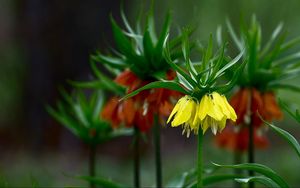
(200, 159)
(251, 152)
(92, 163)
(250, 139)
(237, 160)
(136, 161)
(156, 131)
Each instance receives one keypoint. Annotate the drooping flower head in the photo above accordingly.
(203, 106)
(268, 66)
(138, 60)
(138, 111)
(212, 111)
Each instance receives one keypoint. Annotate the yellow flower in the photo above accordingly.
(212, 111)
(184, 114)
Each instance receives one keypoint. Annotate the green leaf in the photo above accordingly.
(150, 25)
(158, 84)
(285, 86)
(163, 35)
(65, 120)
(148, 46)
(229, 85)
(290, 58)
(178, 69)
(121, 132)
(285, 135)
(186, 55)
(209, 51)
(209, 180)
(179, 181)
(290, 44)
(234, 36)
(108, 83)
(258, 168)
(273, 37)
(103, 182)
(111, 61)
(123, 44)
(87, 84)
(219, 178)
(295, 115)
(219, 35)
(229, 65)
(259, 179)
(123, 16)
(98, 104)
(178, 39)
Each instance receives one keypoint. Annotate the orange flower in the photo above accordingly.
(237, 138)
(139, 110)
(263, 103)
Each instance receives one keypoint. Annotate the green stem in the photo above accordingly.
(251, 152)
(136, 160)
(92, 163)
(237, 160)
(251, 138)
(156, 131)
(200, 159)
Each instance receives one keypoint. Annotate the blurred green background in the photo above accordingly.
(45, 42)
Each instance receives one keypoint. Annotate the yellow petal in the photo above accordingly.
(233, 115)
(215, 111)
(204, 107)
(184, 112)
(219, 101)
(195, 121)
(205, 124)
(222, 124)
(177, 106)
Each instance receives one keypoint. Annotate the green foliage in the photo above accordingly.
(259, 179)
(285, 135)
(268, 173)
(102, 182)
(140, 51)
(199, 78)
(268, 62)
(295, 115)
(81, 115)
(102, 81)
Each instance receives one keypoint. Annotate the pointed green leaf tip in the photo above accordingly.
(259, 179)
(285, 135)
(258, 168)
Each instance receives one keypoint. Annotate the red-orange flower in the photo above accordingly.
(248, 102)
(263, 103)
(236, 138)
(139, 110)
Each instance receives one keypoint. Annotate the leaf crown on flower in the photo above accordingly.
(141, 50)
(198, 78)
(269, 63)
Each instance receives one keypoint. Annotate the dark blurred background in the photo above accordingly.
(43, 43)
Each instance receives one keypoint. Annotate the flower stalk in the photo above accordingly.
(92, 163)
(200, 159)
(156, 133)
(136, 159)
(251, 138)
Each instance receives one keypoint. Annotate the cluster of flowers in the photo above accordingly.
(139, 110)
(248, 103)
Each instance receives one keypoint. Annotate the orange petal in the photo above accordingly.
(271, 108)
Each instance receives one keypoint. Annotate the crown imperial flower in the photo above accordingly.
(212, 111)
